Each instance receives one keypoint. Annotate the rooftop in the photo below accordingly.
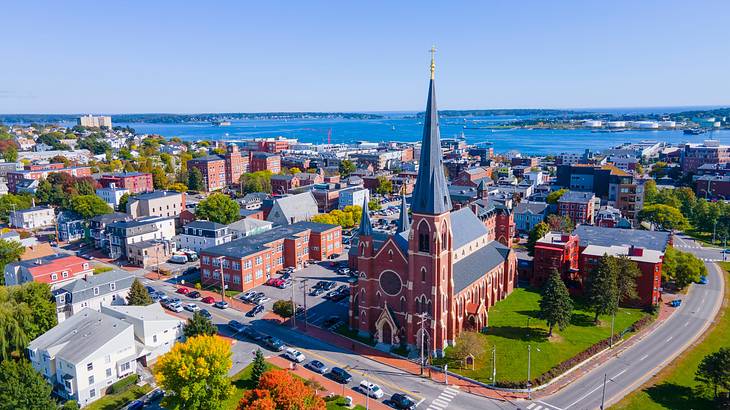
(155, 195)
(576, 196)
(250, 245)
(473, 266)
(208, 225)
(640, 254)
(596, 235)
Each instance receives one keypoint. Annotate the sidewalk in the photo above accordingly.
(329, 385)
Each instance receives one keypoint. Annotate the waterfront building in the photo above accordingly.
(91, 121)
(693, 156)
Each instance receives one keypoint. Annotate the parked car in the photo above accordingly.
(340, 375)
(179, 259)
(236, 326)
(273, 343)
(703, 280)
(343, 271)
(334, 256)
(329, 285)
(253, 334)
(221, 304)
(294, 355)
(255, 311)
(136, 405)
(154, 396)
(205, 313)
(182, 291)
(261, 300)
(371, 389)
(192, 307)
(675, 303)
(175, 307)
(401, 402)
(316, 292)
(150, 290)
(208, 299)
(316, 366)
(193, 295)
(246, 297)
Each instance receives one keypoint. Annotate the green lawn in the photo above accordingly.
(704, 237)
(117, 401)
(339, 404)
(674, 387)
(509, 332)
(216, 289)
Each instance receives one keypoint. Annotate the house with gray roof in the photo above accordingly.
(92, 291)
(293, 208)
(529, 214)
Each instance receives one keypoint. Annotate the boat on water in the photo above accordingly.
(695, 131)
(221, 123)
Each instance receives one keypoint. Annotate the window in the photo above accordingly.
(248, 278)
(125, 366)
(423, 241)
(247, 264)
(64, 274)
(92, 393)
(96, 291)
(109, 372)
(154, 338)
(108, 358)
(113, 286)
(91, 380)
(423, 274)
(54, 276)
(259, 273)
(90, 366)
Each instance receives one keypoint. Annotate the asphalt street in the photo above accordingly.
(627, 371)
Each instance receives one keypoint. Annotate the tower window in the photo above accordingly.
(423, 238)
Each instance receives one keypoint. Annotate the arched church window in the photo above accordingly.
(402, 304)
(390, 256)
(423, 274)
(423, 238)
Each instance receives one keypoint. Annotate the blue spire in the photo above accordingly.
(366, 227)
(431, 194)
(404, 224)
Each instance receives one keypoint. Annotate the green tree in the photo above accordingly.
(123, 200)
(714, 370)
(199, 325)
(195, 180)
(560, 223)
(21, 387)
(10, 251)
(536, 233)
(177, 186)
(258, 367)
(11, 154)
(556, 306)
(26, 312)
(664, 216)
(70, 405)
(628, 272)
(602, 289)
(159, 178)
(138, 295)
(650, 192)
(259, 181)
(218, 208)
(9, 202)
(283, 308)
(374, 205)
(682, 268)
(553, 197)
(384, 187)
(195, 373)
(89, 206)
(347, 167)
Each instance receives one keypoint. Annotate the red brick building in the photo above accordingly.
(437, 275)
(578, 206)
(263, 161)
(282, 184)
(15, 177)
(250, 261)
(236, 164)
(135, 182)
(54, 270)
(555, 251)
(213, 168)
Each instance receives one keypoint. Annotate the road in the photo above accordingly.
(628, 370)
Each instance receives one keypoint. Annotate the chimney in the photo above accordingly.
(636, 251)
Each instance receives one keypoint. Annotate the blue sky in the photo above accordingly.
(158, 56)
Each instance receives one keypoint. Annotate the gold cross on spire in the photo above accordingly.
(433, 61)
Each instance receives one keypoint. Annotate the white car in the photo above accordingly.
(192, 307)
(175, 307)
(371, 389)
(294, 355)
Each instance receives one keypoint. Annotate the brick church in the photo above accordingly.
(441, 271)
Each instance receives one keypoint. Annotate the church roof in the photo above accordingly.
(404, 224)
(431, 194)
(466, 227)
(366, 227)
(473, 267)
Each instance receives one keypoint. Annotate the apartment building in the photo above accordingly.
(32, 218)
(91, 121)
(126, 232)
(693, 156)
(199, 235)
(262, 161)
(156, 203)
(135, 182)
(16, 177)
(112, 194)
(92, 291)
(578, 206)
(213, 169)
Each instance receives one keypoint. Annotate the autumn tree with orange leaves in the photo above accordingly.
(278, 389)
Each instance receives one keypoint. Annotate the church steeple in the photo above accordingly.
(366, 227)
(404, 224)
(431, 194)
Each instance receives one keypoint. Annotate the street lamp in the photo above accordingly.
(529, 363)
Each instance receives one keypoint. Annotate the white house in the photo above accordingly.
(85, 354)
(92, 291)
(33, 218)
(199, 235)
(112, 195)
(353, 196)
(155, 330)
(122, 233)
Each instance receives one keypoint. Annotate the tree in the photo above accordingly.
(384, 187)
(627, 272)
(536, 233)
(664, 216)
(177, 186)
(259, 181)
(218, 208)
(468, 343)
(714, 370)
(257, 399)
(650, 192)
(602, 289)
(199, 325)
(138, 295)
(21, 387)
(289, 392)
(258, 367)
(196, 373)
(89, 206)
(560, 223)
(26, 312)
(70, 405)
(195, 180)
(553, 197)
(159, 178)
(682, 268)
(10, 154)
(374, 205)
(347, 167)
(283, 308)
(10, 251)
(10, 202)
(556, 306)
(123, 200)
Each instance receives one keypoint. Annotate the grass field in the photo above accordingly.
(117, 401)
(510, 333)
(674, 387)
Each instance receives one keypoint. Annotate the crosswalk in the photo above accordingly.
(444, 399)
(543, 406)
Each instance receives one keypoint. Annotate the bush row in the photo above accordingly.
(568, 364)
(124, 384)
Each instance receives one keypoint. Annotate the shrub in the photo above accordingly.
(102, 269)
(124, 384)
(283, 308)
(198, 286)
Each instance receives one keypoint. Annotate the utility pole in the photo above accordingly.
(494, 365)
(613, 319)
(423, 337)
(304, 290)
(223, 284)
(603, 395)
(294, 308)
(529, 385)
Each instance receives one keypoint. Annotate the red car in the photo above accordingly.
(274, 282)
(208, 299)
(183, 291)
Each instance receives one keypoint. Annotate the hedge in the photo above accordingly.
(568, 364)
(124, 384)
